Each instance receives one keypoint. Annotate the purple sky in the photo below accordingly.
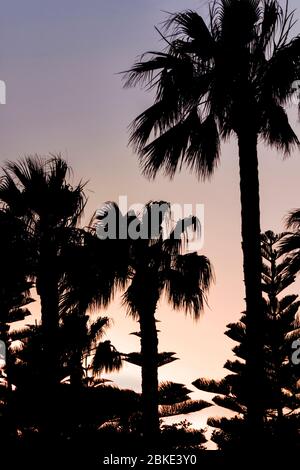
(60, 60)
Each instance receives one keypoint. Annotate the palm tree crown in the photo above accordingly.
(213, 80)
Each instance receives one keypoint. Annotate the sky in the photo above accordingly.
(60, 61)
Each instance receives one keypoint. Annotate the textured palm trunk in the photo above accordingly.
(252, 262)
(149, 352)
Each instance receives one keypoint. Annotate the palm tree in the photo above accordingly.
(96, 269)
(37, 191)
(232, 76)
(86, 354)
(14, 298)
(80, 409)
(14, 282)
(158, 267)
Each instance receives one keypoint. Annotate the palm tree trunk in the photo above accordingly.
(76, 374)
(49, 309)
(47, 286)
(252, 262)
(149, 352)
(8, 428)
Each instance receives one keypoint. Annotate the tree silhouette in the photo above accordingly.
(14, 298)
(280, 394)
(290, 244)
(157, 267)
(86, 354)
(174, 400)
(27, 364)
(37, 191)
(232, 76)
(15, 285)
(95, 270)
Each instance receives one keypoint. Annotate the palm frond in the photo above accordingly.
(186, 407)
(188, 283)
(190, 25)
(277, 130)
(106, 358)
(192, 142)
(212, 386)
(228, 403)
(97, 327)
(171, 393)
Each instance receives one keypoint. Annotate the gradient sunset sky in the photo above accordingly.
(60, 61)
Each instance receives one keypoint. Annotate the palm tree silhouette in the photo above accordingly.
(233, 76)
(95, 270)
(14, 298)
(14, 275)
(38, 192)
(86, 354)
(158, 267)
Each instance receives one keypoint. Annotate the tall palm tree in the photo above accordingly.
(38, 192)
(158, 267)
(233, 75)
(14, 272)
(14, 298)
